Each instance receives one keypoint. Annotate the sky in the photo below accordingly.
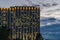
(50, 1)
(8, 3)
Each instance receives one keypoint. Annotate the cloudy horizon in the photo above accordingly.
(8, 3)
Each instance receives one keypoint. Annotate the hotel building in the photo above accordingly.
(23, 21)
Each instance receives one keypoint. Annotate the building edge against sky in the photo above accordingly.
(24, 21)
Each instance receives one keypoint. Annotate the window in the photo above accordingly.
(3, 14)
(12, 9)
(4, 18)
(4, 22)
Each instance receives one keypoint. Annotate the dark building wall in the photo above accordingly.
(4, 32)
(23, 21)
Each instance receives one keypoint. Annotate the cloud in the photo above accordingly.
(48, 21)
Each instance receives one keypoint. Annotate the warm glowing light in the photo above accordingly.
(32, 8)
(13, 9)
(4, 15)
(9, 8)
(38, 8)
(4, 8)
(1, 8)
(20, 8)
(35, 8)
(26, 8)
(29, 8)
(23, 8)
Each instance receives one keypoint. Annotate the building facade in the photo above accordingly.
(23, 22)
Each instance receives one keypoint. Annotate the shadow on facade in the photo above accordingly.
(39, 37)
(4, 33)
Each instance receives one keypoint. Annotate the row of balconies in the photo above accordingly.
(26, 23)
(4, 19)
(20, 9)
(26, 17)
(25, 29)
(24, 35)
(25, 13)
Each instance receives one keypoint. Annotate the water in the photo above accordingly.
(51, 32)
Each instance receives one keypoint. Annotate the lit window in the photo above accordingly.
(17, 23)
(26, 8)
(1, 8)
(38, 9)
(29, 8)
(3, 14)
(4, 22)
(9, 8)
(20, 8)
(13, 9)
(5, 8)
(34, 8)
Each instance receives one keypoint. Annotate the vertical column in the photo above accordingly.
(0, 19)
(7, 19)
(32, 21)
(20, 23)
(13, 24)
(38, 13)
(22, 31)
(9, 22)
(4, 12)
(25, 24)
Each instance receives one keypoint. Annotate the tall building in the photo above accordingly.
(4, 17)
(23, 22)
